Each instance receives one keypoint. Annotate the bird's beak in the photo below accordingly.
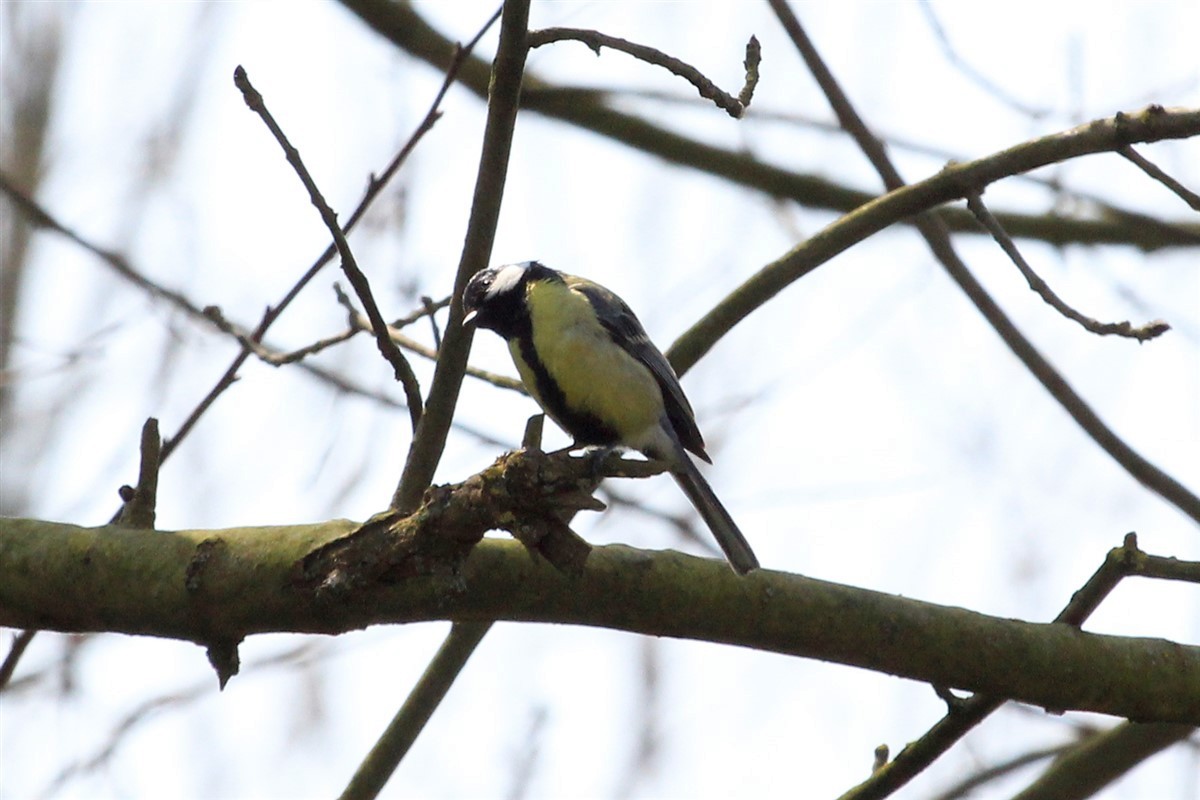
(469, 319)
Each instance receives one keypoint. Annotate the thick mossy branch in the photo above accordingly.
(212, 586)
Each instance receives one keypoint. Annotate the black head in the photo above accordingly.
(495, 297)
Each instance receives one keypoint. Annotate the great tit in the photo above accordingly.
(587, 361)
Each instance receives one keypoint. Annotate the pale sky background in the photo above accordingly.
(867, 426)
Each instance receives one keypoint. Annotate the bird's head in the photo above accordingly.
(495, 296)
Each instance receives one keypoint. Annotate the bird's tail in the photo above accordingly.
(723, 528)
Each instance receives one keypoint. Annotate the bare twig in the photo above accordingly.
(734, 106)
(374, 187)
(1140, 332)
(1128, 560)
(269, 355)
(1154, 171)
(429, 309)
(138, 510)
(20, 642)
(400, 366)
(359, 322)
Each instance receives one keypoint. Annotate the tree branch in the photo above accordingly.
(503, 102)
(1100, 760)
(1142, 333)
(734, 106)
(955, 182)
(587, 109)
(62, 577)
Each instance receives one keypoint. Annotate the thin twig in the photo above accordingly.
(400, 366)
(437, 332)
(1130, 560)
(1141, 332)
(937, 236)
(1154, 171)
(138, 510)
(269, 355)
(15, 652)
(358, 321)
(734, 106)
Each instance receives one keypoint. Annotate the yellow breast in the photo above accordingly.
(595, 374)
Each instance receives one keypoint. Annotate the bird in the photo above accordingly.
(587, 361)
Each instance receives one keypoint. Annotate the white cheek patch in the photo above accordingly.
(506, 279)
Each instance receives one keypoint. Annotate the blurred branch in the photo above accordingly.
(1141, 332)
(1097, 761)
(403, 26)
(1111, 134)
(32, 38)
(145, 710)
(42, 218)
(968, 785)
(985, 83)
(136, 583)
(734, 106)
(229, 377)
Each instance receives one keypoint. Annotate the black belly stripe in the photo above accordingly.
(586, 429)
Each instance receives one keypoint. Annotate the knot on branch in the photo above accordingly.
(531, 494)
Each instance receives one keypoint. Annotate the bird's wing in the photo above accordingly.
(627, 331)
